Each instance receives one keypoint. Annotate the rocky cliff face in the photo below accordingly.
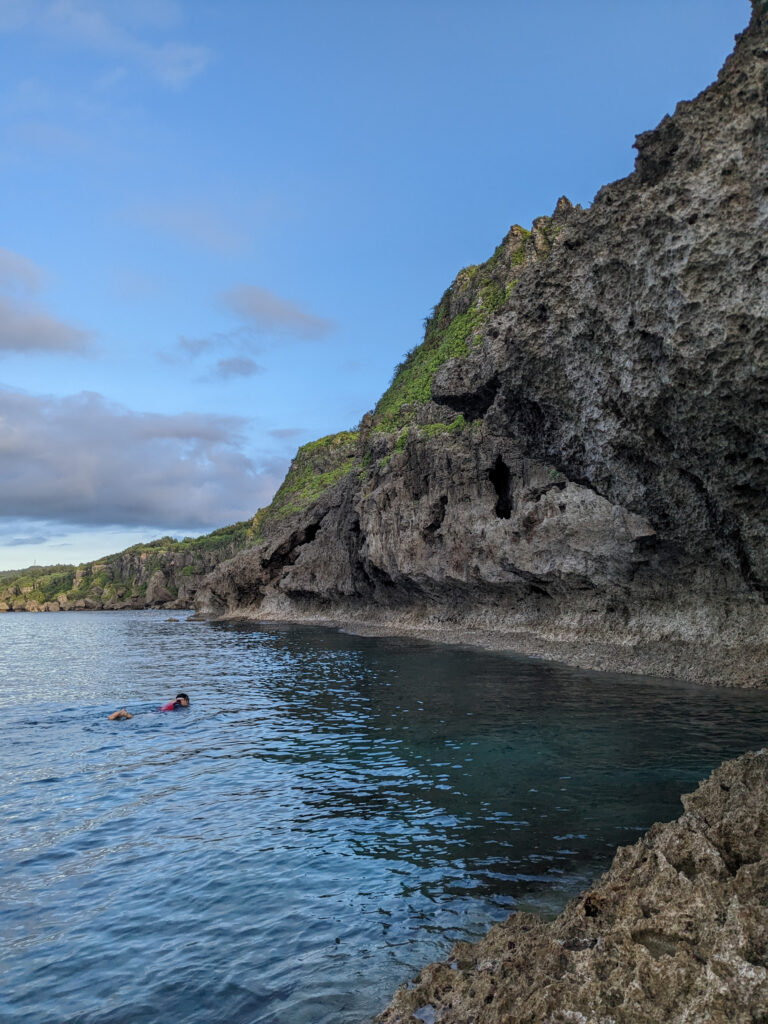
(162, 574)
(675, 931)
(574, 462)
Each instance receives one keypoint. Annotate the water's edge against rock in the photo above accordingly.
(676, 931)
(705, 662)
(571, 465)
(573, 461)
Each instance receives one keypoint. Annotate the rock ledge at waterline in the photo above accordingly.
(574, 460)
(676, 931)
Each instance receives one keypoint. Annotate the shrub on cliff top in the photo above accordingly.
(456, 323)
(38, 583)
(316, 467)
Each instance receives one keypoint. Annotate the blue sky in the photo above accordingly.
(223, 223)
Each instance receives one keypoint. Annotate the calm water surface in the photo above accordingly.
(331, 813)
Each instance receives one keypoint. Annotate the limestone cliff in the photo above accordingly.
(676, 931)
(574, 461)
(164, 573)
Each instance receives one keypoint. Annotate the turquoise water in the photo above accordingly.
(331, 813)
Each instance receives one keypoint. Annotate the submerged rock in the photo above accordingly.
(574, 461)
(676, 931)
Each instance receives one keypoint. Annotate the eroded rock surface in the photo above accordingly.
(675, 932)
(575, 461)
(161, 574)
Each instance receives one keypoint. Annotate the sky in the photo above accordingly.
(223, 223)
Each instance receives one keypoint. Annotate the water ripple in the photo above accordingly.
(331, 813)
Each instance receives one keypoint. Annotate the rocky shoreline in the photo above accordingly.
(676, 931)
(572, 463)
(701, 660)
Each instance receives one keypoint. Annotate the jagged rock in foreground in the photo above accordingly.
(675, 932)
(574, 463)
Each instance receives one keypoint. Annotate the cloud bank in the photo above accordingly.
(31, 540)
(24, 326)
(82, 461)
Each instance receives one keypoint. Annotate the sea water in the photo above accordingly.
(331, 813)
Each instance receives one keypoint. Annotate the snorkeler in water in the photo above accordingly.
(181, 701)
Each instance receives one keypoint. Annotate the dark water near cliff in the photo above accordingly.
(328, 816)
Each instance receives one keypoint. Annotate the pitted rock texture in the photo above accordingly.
(587, 479)
(675, 932)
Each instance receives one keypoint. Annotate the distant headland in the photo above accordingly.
(573, 461)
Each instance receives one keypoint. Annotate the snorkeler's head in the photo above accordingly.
(182, 699)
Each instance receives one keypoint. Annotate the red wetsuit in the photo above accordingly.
(173, 706)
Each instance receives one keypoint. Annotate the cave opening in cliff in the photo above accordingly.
(500, 477)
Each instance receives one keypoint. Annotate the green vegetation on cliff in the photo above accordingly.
(32, 573)
(456, 323)
(316, 467)
(122, 579)
(166, 569)
(238, 534)
(38, 583)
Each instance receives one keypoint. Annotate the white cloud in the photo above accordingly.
(264, 314)
(83, 461)
(271, 314)
(233, 342)
(24, 326)
(113, 30)
(29, 541)
(195, 346)
(17, 272)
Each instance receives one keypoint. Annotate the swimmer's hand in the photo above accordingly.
(118, 716)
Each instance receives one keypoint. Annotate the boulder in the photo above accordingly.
(675, 932)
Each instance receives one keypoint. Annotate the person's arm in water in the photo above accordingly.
(118, 716)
